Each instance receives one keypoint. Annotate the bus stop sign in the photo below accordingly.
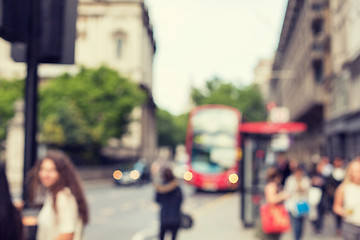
(251, 163)
(269, 128)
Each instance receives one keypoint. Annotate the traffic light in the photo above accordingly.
(14, 17)
(57, 33)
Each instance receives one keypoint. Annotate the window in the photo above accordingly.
(318, 47)
(119, 47)
(317, 7)
(318, 70)
(119, 38)
(317, 26)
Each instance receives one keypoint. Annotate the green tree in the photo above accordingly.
(171, 129)
(87, 109)
(247, 99)
(10, 91)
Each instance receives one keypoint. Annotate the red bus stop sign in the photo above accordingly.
(272, 128)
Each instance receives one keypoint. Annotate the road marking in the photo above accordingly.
(207, 207)
(147, 233)
(106, 212)
(151, 232)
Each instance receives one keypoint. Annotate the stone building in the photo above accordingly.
(262, 76)
(316, 75)
(342, 126)
(302, 71)
(118, 34)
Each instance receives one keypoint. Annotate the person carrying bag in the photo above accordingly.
(274, 219)
(297, 186)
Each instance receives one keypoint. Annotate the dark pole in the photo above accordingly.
(30, 152)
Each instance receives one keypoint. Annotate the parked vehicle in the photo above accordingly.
(132, 174)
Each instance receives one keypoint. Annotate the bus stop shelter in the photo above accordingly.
(256, 137)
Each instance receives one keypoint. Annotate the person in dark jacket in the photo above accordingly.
(283, 166)
(169, 197)
(318, 180)
(11, 227)
(332, 182)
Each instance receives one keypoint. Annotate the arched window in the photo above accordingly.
(119, 40)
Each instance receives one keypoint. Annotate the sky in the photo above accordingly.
(199, 39)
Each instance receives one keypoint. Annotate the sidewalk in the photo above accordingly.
(221, 220)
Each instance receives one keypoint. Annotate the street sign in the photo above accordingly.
(279, 115)
(272, 128)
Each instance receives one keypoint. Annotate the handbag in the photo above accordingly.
(186, 221)
(315, 195)
(274, 218)
(302, 208)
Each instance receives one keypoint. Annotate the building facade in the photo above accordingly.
(262, 76)
(316, 75)
(302, 69)
(342, 126)
(118, 34)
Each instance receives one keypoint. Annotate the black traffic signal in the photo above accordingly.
(14, 19)
(57, 33)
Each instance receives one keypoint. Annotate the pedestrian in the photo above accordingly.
(65, 211)
(283, 166)
(326, 166)
(318, 181)
(347, 199)
(11, 227)
(273, 195)
(169, 197)
(334, 180)
(297, 185)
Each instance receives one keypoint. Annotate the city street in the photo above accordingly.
(130, 212)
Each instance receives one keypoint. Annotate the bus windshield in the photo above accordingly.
(214, 140)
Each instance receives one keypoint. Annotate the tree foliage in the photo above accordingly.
(88, 108)
(10, 91)
(247, 99)
(171, 129)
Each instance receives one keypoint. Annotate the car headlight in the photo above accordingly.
(117, 174)
(134, 174)
(233, 178)
(188, 176)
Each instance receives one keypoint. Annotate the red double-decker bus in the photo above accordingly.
(213, 147)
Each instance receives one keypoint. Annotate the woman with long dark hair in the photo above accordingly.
(273, 195)
(11, 227)
(65, 210)
(169, 197)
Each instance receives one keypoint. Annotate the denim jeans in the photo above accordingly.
(297, 224)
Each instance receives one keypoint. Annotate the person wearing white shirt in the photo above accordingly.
(64, 212)
(297, 185)
(347, 199)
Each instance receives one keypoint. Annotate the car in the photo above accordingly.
(136, 173)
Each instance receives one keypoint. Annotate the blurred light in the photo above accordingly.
(188, 176)
(260, 153)
(233, 178)
(134, 174)
(239, 154)
(117, 174)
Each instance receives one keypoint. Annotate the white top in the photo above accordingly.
(352, 203)
(65, 220)
(296, 195)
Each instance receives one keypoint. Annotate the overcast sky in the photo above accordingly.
(199, 39)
